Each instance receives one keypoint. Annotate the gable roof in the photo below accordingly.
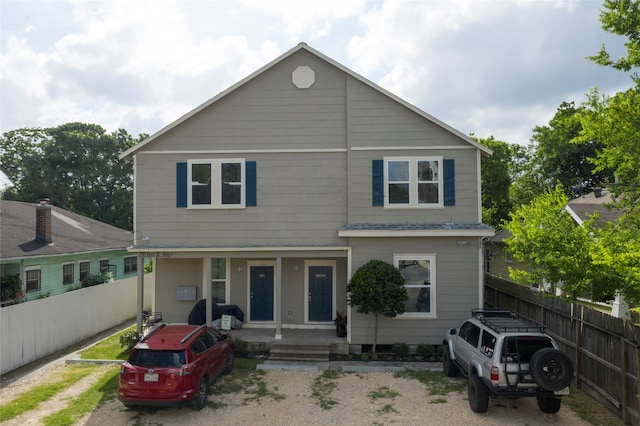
(586, 205)
(304, 46)
(70, 233)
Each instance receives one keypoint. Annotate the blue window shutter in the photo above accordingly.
(251, 197)
(377, 178)
(449, 173)
(181, 185)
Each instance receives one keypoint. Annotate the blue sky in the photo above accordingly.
(492, 68)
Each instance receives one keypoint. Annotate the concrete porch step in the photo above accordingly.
(290, 351)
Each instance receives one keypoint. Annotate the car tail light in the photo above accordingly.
(126, 368)
(495, 374)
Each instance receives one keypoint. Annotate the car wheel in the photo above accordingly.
(478, 394)
(549, 405)
(551, 369)
(449, 368)
(203, 390)
(229, 366)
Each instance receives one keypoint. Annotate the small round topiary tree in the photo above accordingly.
(377, 288)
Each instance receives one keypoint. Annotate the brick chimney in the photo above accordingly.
(43, 221)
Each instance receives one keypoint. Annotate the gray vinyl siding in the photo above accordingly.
(301, 200)
(457, 288)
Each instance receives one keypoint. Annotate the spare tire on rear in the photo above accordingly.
(551, 369)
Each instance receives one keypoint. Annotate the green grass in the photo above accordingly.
(438, 385)
(102, 391)
(29, 400)
(323, 386)
(108, 348)
(244, 378)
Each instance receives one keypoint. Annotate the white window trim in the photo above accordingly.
(413, 183)
(32, 268)
(431, 257)
(73, 281)
(307, 264)
(216, 195)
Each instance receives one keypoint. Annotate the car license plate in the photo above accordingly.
(564, 391)
(151, 377)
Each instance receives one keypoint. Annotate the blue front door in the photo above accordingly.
(320, 293)
(261, 288)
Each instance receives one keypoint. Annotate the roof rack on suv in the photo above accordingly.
(505, 321)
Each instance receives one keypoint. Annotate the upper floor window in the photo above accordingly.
(68, 272)
(216, 183)
(413, 182)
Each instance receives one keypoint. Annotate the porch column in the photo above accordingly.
(206, 288)
(278, 301)
(140, 299)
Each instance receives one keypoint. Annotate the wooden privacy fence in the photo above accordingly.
(604, 349)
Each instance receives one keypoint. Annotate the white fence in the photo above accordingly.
(32, 330)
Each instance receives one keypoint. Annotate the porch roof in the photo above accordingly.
(415, 230)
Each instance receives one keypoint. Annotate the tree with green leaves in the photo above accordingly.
(496, 176)
(76, 166)
(562, 161)
(621, 17)
(545, 235)
(377, 288)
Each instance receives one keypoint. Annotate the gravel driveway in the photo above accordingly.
(362, 399)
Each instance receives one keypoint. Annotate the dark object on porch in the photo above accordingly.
(198, 315)
(341, 324)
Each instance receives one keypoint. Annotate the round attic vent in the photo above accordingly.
(303, 77)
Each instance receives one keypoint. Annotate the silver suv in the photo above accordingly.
(504, 355)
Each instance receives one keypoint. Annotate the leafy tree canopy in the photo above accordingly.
(544, 235)
(496, 175)
(75, 165)
(621, 17)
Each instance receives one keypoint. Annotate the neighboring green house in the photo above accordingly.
(53, 250)
(497, 257)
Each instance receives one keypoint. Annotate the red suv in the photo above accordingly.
(174, 365)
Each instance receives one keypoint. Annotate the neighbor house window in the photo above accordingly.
(104, 266)
(85, 269)
(219, 279)
(32, 278)
(130, 264)
(67, 273)
(419, 274)
(413, 182)
(216, 183)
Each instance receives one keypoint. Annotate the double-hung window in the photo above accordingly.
(68, 273)
(413, 182)
(130, 264)
(419, 274)
(85, 269)
(216, 183)
(32, 276)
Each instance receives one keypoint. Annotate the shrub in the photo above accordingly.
(426, 350)
(400, 349)
(129, 339)
(95, 279)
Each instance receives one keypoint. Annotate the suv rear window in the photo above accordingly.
(523, 346)
(154, 358)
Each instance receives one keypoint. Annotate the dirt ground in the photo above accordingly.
(399, 401)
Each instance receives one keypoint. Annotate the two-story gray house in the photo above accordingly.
(270, 195)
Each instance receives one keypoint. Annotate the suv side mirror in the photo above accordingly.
(453, 331)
